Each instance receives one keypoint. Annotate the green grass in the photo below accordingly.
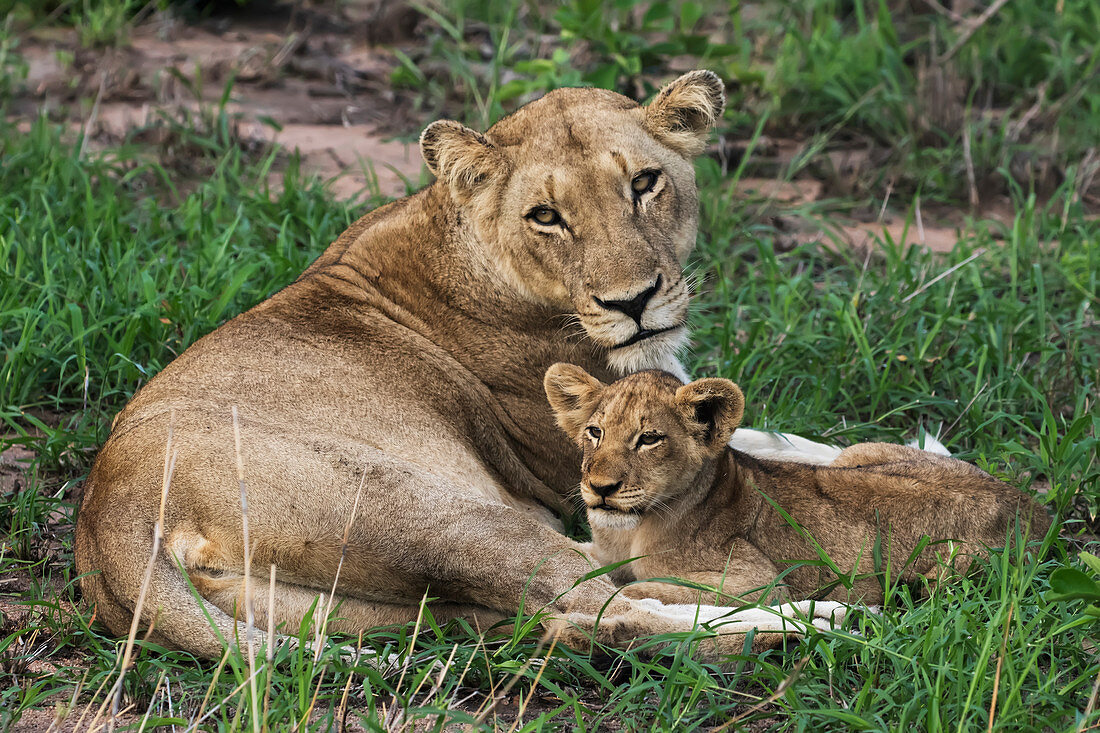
(111, 264)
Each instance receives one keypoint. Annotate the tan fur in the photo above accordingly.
(692, 508)
(409, 359)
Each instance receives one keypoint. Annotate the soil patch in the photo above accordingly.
(311, 82)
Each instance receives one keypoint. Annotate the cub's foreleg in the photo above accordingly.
(747, 577)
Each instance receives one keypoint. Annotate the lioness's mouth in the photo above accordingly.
(643, 334)
(603, 506)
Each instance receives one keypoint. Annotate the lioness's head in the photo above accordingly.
(645, 438)
(585, 201)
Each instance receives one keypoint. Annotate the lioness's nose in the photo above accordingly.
(605, 490)
(633, 307)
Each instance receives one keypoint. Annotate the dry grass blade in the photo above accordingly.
(269, 652)
(968, 159)
(200, 720)
(213, 683)
(397, 711)
(782, 688)
(971, 29)
(115, 696)
(498, 696)
(93, 115)
(249, 613)
(439, 679)
(1091, 706)
(303, 723)
(942, 275)
(88, 707)
(534, 685)
(63, 712)
(339, 566)
(342, 709)
(152, 700)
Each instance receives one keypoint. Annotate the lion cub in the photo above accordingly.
(661, 484)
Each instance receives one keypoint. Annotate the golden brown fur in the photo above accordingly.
(408, 359)
(661, 484)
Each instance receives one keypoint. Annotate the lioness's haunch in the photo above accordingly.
(408, 359)
(661, 484)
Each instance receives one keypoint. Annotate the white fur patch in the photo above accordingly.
(932, 445)
(783, 447)
(613, 520)
(655, 352)
(787, 617)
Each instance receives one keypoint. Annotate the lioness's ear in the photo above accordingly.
(682, 113)
(713, 407)
(465, 159)
(573, 394)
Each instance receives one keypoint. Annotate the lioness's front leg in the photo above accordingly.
(493, 556)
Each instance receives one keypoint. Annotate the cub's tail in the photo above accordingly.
(787, 447)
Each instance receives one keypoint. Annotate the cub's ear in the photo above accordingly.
(682, 113)
(573, 394)
(712, 408)
(465, 159)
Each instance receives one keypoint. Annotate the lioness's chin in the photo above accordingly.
(655, 352)
(604, 519)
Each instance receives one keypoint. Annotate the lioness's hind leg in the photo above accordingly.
(347, 615)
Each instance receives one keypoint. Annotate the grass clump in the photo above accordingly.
(112, 263)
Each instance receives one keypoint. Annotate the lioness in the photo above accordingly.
(408, 361)
(661, 484)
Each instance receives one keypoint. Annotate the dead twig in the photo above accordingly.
(948, 12)
(972, 28)
(1091, 705)
(93, 116)
(968, 158)
(942, 275)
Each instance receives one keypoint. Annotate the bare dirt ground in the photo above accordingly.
(314, 83)
(318, 81)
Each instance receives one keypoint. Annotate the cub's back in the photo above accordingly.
(913, 492)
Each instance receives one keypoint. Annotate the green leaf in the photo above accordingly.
(1070, 584)
(604, 77)
(1091, 560)
(690, 13)
(605, 570)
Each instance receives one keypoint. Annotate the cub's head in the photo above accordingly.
(645, 438)
(585, 201)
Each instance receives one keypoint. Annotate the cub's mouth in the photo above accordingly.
(645, 333)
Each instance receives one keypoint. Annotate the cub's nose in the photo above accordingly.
(632, 307)
(605, 490)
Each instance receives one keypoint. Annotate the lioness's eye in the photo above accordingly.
(644, 182)
(650, 439)
(544, 216)
(593, 432)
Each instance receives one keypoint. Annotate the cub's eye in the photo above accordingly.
(649, 439)
(594, 433)
(643, 182)
(544, 216)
